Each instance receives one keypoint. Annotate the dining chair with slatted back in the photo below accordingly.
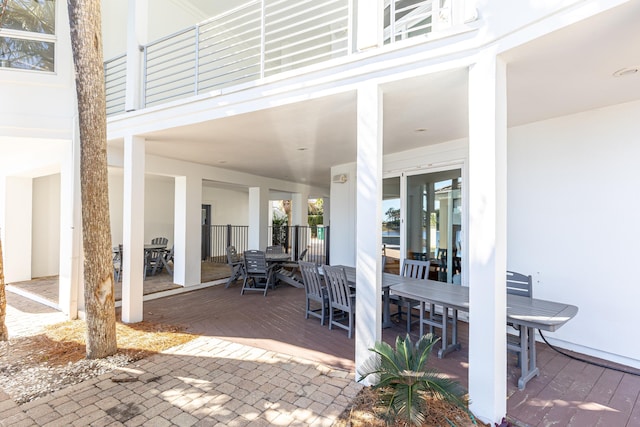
(522, 285)
(342, 301)
(316, 292)
(258, 274)
(236, 262)
(417, 269)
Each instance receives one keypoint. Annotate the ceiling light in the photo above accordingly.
(627, 71)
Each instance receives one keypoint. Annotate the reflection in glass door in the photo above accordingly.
(391, 203)
(434, 223)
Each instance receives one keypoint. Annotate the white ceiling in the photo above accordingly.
(562, 73)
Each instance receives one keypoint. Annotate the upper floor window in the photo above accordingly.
(27, 34)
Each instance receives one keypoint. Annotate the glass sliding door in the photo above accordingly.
(391, 204)
(434, 223)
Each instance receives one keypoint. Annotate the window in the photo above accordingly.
(27, 34)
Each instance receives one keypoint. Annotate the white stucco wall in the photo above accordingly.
(45, 260)
(227, 206)
(573, 221)
(158, 207)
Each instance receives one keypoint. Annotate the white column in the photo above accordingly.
(258, 217)
(487, 237)
(187, 230)
(299, 209)
(137, 23)
(16, 228)
(369, 24)
(133, 229)
(70, 277)
(369, 221)
(326, 211)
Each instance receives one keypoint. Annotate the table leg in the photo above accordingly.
(455, 345)
(386, 309)
(422, 318)
(527, 356)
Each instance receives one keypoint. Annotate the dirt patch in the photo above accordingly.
(34, 366)
(365, 412)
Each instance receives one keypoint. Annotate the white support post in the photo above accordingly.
(133, 229)
(258, 217)
(487, 237)
(369, 221)
(299, 209)
(16, 228)
(369, 24)
(70, 276)
(187, 231)
(137, 23)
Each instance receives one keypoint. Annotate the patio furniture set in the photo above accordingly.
(156, 258)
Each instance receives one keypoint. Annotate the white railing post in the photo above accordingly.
(263, 31)
(196, 74)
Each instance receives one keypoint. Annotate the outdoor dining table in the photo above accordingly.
(276, 258)
(529, 313)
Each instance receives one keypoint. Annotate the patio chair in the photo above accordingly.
(236, 263)
(117, 264)
(290, 271)
(522, 285)
(166, 257)
(159, 241)
(315, 291)
(342, 301)
(258, 274)
(418, 270)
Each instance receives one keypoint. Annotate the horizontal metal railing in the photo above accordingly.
(258, 39)
(115, 72)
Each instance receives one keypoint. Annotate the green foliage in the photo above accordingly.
(402, 376)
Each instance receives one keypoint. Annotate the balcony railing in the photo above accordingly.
(259, 39)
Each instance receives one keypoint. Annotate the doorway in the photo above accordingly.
(434, 223)
(206, 232)
(422, 220)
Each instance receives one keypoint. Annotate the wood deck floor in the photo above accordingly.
(567, 393)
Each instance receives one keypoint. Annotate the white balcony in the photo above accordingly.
(263, 38)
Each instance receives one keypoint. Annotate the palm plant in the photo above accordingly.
(404, 380)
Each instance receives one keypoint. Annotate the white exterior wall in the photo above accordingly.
(45, 246)
(573, 223)
(227, 206)
(158, 209)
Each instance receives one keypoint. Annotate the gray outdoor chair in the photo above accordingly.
(258, 274)
(342, 301)
(418, 270)
(315, 291)
(236, 262)
(522, 285)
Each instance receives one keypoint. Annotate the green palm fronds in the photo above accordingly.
(404, 380)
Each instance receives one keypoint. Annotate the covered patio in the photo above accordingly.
(568, 392)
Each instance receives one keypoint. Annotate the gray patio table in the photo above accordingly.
(530, 313)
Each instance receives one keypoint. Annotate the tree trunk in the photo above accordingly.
(86, 43)
(4, 334)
